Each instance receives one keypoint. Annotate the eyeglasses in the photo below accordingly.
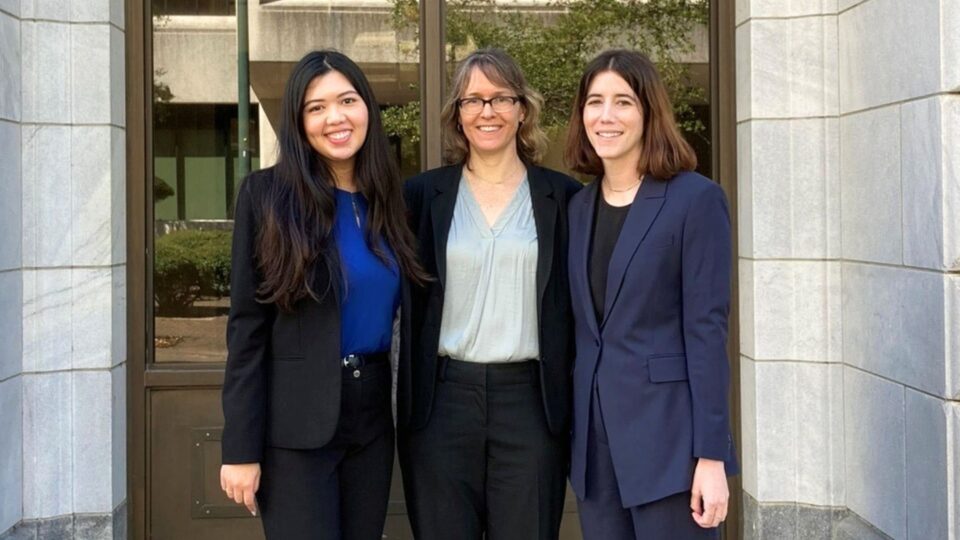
(500, 104)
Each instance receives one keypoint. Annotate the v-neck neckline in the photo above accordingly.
(508, 211)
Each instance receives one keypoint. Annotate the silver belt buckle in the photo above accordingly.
(356, 366)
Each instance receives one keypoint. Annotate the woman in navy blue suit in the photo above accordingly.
(649, 258)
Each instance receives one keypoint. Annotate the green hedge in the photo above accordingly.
(188, 265)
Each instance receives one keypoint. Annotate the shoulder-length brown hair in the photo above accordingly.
(502, 70)
(664, 152)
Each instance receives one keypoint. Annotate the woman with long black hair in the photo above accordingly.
(321, 253)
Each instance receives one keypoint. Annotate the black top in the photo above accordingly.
(607, 222)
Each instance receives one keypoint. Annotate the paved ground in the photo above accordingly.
(193, 339)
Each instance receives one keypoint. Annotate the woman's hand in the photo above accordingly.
(240, 482)
(709, 495)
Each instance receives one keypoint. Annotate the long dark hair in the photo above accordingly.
(295, 245)
(664, 151)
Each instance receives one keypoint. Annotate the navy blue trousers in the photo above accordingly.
(602, 515)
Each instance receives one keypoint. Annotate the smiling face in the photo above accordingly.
(335, 119)
(489, 131)
(613, 118)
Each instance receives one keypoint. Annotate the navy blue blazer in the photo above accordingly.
(659, 354)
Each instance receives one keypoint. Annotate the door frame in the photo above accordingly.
(138, 143)
(723, 139)
(138, 38)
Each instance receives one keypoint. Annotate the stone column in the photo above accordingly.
(900, 207)
(849, 171)
(11, 272)
(62, 124)
(789, 187)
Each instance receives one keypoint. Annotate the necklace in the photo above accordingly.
(513, 174)
(615, 190)
(356, 210)
(353, 198)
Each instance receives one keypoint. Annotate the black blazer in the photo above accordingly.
(282, 381)
(431, 197)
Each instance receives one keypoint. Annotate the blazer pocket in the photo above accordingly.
(667, 367)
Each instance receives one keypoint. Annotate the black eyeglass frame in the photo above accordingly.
(484, 102)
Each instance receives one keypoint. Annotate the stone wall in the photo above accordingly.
(62, 255)
(11, 273)
(849, 192)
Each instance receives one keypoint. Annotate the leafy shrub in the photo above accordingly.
(190, 264)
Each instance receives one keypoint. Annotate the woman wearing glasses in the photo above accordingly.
(483, 403)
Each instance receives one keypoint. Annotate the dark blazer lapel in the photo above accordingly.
(441, 215)
(580, 235)
(545, 218)
(644, 210)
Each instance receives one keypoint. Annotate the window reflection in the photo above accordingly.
(194, 7)
(195, 161)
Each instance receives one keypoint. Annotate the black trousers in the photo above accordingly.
(602, 515)
(339, 491)
(485, 463)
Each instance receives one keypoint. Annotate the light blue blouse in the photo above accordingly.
(490, 293)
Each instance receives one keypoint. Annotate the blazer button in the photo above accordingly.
(356, 374)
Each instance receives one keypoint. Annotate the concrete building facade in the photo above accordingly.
(848, 136)
(848, 197)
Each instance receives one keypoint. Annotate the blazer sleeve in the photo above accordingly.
(706, 259)
(248, 342)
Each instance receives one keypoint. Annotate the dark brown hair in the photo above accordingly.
(664, 152)
(295, 241)
(502, 70)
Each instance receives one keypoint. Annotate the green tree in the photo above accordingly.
(553, 43)
(162, 95)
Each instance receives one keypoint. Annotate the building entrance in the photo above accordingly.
(186, 132)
